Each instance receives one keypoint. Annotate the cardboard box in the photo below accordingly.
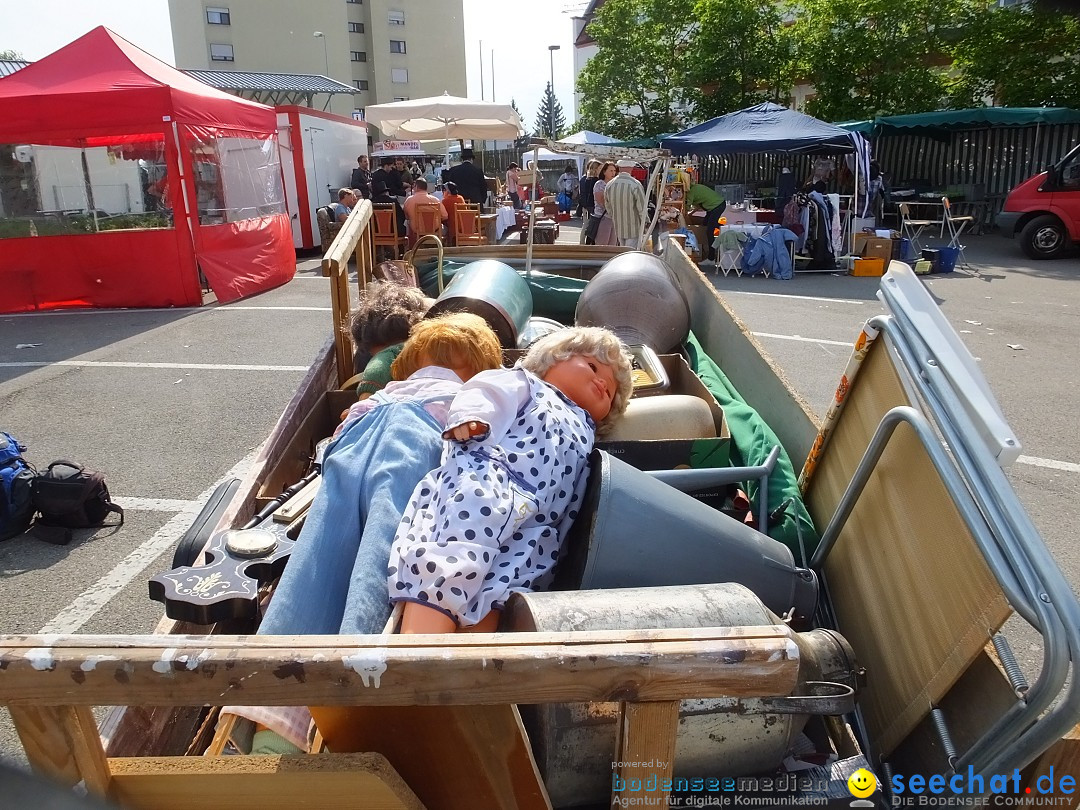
(873, 247)
(699, 233)
(672, 454)
(863, 266)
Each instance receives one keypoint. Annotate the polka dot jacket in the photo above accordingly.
(492, 518)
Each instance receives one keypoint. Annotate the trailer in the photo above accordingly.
(318, 153)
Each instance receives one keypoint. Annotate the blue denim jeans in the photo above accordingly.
(335, 580)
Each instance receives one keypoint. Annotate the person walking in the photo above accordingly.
(601, 230)
(585, 196)
(513, 189)
(624, 199)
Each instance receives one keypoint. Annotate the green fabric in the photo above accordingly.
(751, 439)
(865, 127)
(704, 197)
(942, 121)
(270, 743)
(377, 371)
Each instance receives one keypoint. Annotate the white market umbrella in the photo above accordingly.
(447, 117)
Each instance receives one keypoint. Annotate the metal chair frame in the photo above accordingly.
(912, 228)
(956, 227)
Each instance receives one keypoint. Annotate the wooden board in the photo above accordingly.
(323, 781)
(453, 757)
(62, 743)
(459, 669)
(645, 752)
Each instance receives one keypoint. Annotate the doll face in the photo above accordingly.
(587, 382)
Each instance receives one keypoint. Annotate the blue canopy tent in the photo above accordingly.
(768, 127)
(764, 127)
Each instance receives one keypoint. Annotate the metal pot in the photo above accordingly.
(495, 292)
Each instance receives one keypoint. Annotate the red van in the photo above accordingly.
(1045, 210)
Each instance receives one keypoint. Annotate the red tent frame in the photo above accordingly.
(101, 87)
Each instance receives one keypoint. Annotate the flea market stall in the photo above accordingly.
(121, 179)
(813, 216)
(973, 156)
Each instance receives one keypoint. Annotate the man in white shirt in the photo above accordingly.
(624, 199)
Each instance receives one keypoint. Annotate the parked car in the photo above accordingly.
(1045, 210)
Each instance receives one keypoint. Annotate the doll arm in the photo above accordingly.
(491, 399)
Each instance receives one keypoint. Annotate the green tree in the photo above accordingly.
(743, 54)
(523, 141)
(638, 83)
(876, 57)
(12, 55)
(1020, 56)
(550, 113)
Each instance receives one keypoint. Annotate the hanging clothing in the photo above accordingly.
(835, 231)
(770, 253)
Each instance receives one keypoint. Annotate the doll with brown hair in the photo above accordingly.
(379, 326)
(492, 518)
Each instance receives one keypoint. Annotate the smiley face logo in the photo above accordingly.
(862, 783)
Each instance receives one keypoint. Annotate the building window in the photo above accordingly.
(401, 98)
(356, 28)
(396, 18)
(359, 56)
(221, 53)
(356, 2)
(358, 113)
(399, 75)
(217, 16)
(361, 84)
(397, 46)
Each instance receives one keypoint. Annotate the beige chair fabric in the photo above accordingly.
(905, 552)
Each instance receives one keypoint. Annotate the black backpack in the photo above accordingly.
(16, 483)
(68, 496)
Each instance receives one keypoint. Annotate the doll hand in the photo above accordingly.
(467, 431)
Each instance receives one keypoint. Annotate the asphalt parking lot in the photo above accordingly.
(166, 403)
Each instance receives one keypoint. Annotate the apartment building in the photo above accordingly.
(389, 50)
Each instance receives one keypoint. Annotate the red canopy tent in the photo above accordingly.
(221, 208)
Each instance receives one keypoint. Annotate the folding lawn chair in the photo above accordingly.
(956, 226)
(911, 228)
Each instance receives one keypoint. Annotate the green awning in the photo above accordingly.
(981, 117)
(941, 122)
(865, 126)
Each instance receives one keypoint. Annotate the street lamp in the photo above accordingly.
(326, 57)
(551, 56)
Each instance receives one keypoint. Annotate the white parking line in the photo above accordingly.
(154, 504)
(118, 364)
(94, 598)
(799, 297)
(802, 339)
(1049, 463)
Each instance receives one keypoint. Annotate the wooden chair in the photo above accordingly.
(384, 218)
(467, 225)
(427, 219)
